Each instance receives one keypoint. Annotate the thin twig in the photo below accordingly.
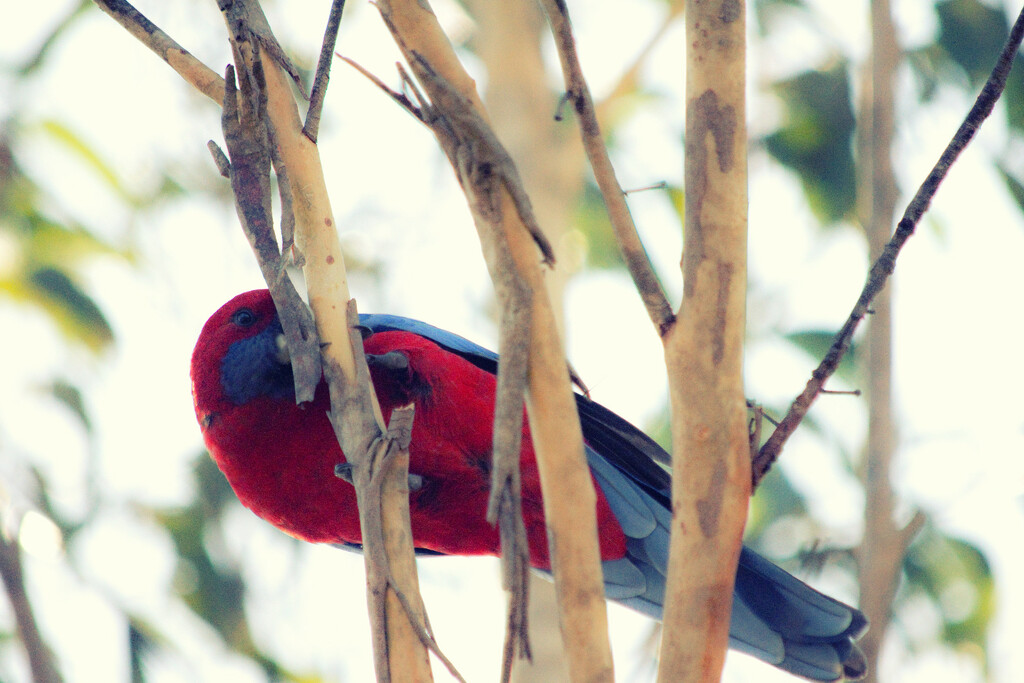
(323, 72)
(400, 98)
(284, 191)
(247, 16)
(202, 77)
(505, 507)
(885, 264)
(577, 92)
(40, 658)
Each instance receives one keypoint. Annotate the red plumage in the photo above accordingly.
(280, 458)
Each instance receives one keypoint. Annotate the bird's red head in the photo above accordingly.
(237, 342)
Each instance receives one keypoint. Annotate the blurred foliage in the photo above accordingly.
(954, 575)
(972, 35)
(816, 139)
(816, 344)
(214, 592)
(43, 255)
(816, 142)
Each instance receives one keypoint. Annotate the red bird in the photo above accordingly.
(280, 460)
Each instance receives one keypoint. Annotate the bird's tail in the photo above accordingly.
(775, 616)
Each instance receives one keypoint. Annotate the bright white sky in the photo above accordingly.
(957, 359)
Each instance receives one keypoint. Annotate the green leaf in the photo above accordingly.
(972, 34)
(1014, 186)
(76, 314)
(816, 141)
(71, 397)
(92, 159)
(956, 576)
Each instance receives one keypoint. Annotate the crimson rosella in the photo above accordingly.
(280, 460)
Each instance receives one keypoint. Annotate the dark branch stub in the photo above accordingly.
(323, 72)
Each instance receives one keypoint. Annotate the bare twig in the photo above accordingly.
(470, 153)
(886, 262)
(202, 77)
(323, 71)
(247, 24)
(505, 504)
(578, 93)
(401, 99)
(284, 189)
(40, 658)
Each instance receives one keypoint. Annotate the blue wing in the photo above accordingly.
(776, 617)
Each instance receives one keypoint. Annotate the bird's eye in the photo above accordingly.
(244, 317)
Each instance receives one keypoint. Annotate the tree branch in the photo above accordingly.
(266, 117)
(40, 658)
(323, 72)
(247, 140)
(577, 91)
(510, 239)
(203, 78)
(400, 652)
(883, 267)
(704, 353)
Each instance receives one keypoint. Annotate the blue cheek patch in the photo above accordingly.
(250, 369)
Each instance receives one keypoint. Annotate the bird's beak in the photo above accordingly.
(281, 355)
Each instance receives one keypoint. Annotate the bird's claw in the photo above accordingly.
(392, 360)
(343, 471)
(282, 355)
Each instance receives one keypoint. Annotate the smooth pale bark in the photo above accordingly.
(703, 353)
(400, 653)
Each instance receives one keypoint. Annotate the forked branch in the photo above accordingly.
(884, 265)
